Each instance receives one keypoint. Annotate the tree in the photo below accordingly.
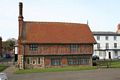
(8, 45)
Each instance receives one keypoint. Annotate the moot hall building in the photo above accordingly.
(53, 44)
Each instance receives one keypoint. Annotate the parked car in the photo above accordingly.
(118, 57)
(8, 56)
(3, 76)
(94, 58)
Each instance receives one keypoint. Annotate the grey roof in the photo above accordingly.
(105, 33)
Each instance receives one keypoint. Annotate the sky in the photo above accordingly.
(102, 15)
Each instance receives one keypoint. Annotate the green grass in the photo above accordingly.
(115, 64)
(109, 63)
(39, 70)
(2, 67)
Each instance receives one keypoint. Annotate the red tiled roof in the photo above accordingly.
(57, 32)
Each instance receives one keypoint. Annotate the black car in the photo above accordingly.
(94, 58)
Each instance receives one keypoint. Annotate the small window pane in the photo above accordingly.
(115, 37)
(116, 53)
(38, 60)
(55, 61)
(79, 60)
(74, 48)
(115, 45)
(98, 45)
(28, 62)
(107, 45)
(33, 47)
(106, 38)
(98, 37)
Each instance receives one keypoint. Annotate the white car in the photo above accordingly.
(118, 57)
(3, 76)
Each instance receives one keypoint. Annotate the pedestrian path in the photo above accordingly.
(10, 70)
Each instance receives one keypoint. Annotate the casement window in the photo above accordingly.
(72, 61)
(55, 61)
(106, 38)
(102, 54)
(116, 53)
(38, 60)
(115, 37)
(115, 45)
(98, 37)
(33, 60)
(81, 60)
(98, 45)
(28, 61)
(74, 48)
(107, 45)
(33, 47)
(84, 60)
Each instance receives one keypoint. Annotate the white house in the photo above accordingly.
(108, 44)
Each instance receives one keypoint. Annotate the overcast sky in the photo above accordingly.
(102, 15)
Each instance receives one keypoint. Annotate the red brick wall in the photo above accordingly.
(64, 50)
(47, 61)
(58, 49)
(63, 60)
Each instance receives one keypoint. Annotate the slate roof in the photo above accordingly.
(105, 33)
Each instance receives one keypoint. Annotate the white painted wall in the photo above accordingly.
(105, 54)
(16, 50)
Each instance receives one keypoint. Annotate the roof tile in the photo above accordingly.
(57, 32)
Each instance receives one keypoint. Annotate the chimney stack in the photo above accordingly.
(20, 18)
(20, 11)
(118, 29)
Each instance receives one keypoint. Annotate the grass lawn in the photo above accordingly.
(2, 67)
(70, 68)
(109, 63)
(112, 64)
(115, 64)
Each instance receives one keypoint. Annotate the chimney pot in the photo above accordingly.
(20, 18)
(118, 29)
(20, 8)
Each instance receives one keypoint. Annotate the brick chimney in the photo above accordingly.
(118, 29)
(20, 18)
(20, 11)
(20, 24)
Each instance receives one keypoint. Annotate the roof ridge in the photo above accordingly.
(103, 31)
(53, 22)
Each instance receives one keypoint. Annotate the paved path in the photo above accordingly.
(99, 74)
(9, 70)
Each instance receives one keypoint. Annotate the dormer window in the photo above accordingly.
(33, 47)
